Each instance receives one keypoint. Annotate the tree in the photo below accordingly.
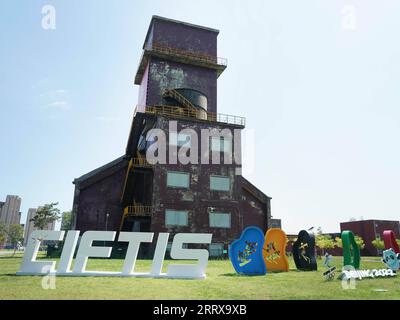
(359, 241)
(3, 233)
(45, 215)
(378, 244)
(324, 241)
(338, 242)
(15, 235)
(66, 222)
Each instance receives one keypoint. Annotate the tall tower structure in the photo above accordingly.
(177, 78)
(179, 55)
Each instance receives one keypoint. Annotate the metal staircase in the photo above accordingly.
(172, 93)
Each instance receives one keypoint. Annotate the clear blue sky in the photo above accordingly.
(322, 97)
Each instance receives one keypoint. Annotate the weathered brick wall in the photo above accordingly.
(97, 199)
(245, 210)
(183, 36)
(254, 213)
(165, 74)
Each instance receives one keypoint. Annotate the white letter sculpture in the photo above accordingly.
(86, 249)
(177, 252)
(29, 265)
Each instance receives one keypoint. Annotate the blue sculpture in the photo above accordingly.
(246, 252)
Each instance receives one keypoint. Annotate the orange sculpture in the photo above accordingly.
(274, 250)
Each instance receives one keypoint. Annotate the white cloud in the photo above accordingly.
(54, 99)
(60, 91)
(61, 105)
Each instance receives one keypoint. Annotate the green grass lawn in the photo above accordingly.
(222, 283)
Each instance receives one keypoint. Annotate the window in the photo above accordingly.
(216, 249)
(220, 220)
(221, 144)
(176, 218)
(178, 179)
(179, 139)
(220, 183)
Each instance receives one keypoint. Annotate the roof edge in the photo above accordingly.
(250, 185)
(188, 24)
(99, 169)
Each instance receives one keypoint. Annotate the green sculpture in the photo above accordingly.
(351, 250)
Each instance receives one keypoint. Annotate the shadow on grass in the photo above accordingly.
(259, 275)
(302, 271)
(10, 257)
(241, 275)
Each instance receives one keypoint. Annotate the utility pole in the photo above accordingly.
(107, 215)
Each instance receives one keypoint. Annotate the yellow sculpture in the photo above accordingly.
(274, 250)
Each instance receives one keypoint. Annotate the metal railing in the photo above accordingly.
(172, 93)
(226, 118)
(138, 211)
(206, 58)
(185, 113)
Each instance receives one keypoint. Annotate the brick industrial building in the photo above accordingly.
(370, 230)
(177, 75)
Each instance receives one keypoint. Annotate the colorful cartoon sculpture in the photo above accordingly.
(246, 252)
(351, 250)
(304, 252)
(389, 238)
(391, 259)
(328, 260)
(274, 250)
(330, 273)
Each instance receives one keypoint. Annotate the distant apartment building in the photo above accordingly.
(10, 214)
(29, 227)
(10, 210)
